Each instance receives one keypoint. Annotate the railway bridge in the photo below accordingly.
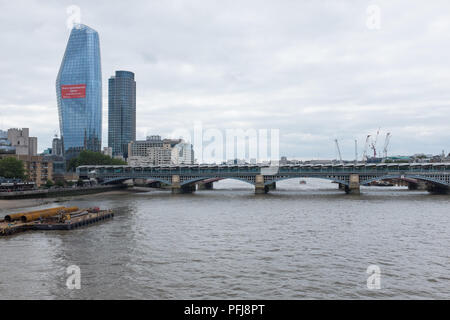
(183, 178)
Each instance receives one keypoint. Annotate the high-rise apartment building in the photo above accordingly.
(79, 93)
(121, 112)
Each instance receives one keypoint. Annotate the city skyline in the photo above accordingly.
(334, 78)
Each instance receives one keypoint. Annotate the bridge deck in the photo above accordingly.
(259, 169)
(437, 173)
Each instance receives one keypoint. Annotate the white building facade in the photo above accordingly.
(182, 153)
(152, 151)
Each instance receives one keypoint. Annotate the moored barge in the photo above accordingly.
(60, 218)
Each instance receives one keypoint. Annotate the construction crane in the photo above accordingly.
(386, 143)
(376, 138)
(339, 150)
(374, 144)
(364, 158)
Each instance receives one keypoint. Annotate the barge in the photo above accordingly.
(60, 218)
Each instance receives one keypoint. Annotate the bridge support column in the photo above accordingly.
(341, 186)
(177, 188)
(260, 188)
(272, 186)
(437, 189)
(353, 186)
(420, 185)
(205, 186)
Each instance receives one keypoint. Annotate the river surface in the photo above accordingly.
(299, 242)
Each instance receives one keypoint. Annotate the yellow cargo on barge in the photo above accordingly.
(60, 218)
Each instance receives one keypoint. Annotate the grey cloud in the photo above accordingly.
(309, 68)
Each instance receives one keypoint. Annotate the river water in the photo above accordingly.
(299, 242)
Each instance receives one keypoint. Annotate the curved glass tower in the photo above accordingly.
(79, 93)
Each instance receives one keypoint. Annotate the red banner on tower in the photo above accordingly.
(73, 91)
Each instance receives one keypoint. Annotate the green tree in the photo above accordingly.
(59, 183)
(49, 183)
(92, 158)
(11, 167)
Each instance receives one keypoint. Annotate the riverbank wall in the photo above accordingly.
(58, 192)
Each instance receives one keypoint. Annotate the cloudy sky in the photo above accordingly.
(315, 70)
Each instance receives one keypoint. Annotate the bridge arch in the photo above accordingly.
(400, 176)
(341, 181)
(198, 179)
(106, 181)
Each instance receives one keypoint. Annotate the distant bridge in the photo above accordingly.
(350, 177)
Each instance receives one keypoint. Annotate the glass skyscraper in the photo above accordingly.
(121, 112)
(79, 93)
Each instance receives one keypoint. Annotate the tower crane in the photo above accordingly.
(386, 143)
(376, 138)
(339, 150)
(374, 144)
(364, 158)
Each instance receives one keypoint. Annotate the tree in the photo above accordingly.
(11, 167)
(92, 158)
(59, 183)
(49, 183)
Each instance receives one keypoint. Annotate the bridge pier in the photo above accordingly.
(437, 189)
(353, 187)
(341, 186)
(183, 189)
(205, 186)
(177, 188)
(260, 188)
(272, 186)
(420, 185)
